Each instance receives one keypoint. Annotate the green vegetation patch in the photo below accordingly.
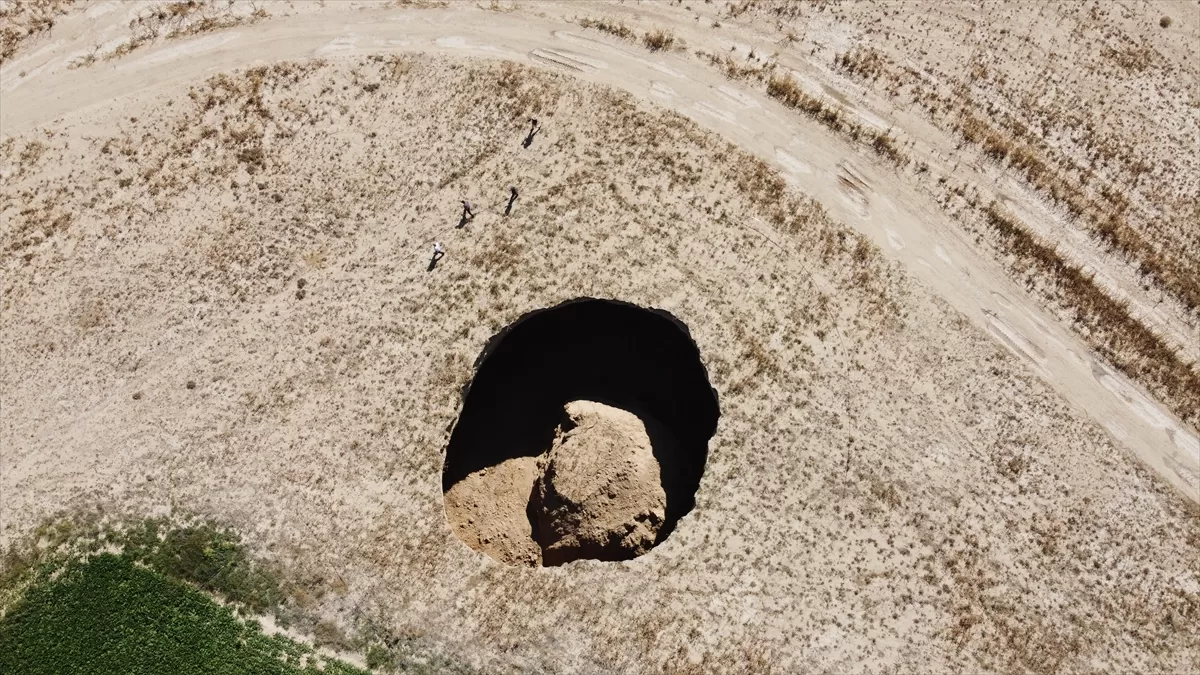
(211, 558)
(88, 594)
(108, 614)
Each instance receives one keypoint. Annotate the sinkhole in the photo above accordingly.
(583, 435)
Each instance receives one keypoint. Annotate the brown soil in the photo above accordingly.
(596, 493)
(601, 494)
(487, 510)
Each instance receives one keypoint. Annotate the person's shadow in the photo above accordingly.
(434, 260)
(512, 198)
(529, 139)
(462, 222)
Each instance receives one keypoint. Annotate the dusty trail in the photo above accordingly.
(910, 228)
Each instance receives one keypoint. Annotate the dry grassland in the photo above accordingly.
(24, 21)
(1102, 128)
(216, 301)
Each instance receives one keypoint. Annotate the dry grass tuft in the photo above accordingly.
(24, 20)
(1105, 216)
(863, 62)
(787, 90)
(739, 71)
(614, 28)
(497, 6)
(531, 96)
(658, 40)
(183, 18)
(885, 145)
(1114, 185)
(790, 93)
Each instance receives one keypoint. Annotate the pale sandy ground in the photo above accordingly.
(917, 467)
(1102, 85)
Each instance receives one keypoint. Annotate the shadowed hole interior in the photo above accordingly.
(619, 355)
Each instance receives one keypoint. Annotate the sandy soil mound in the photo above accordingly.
(597, 492)
(600, 495)
(500, 494)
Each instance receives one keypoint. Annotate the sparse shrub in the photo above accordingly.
(792, 95)
(658, 40)
(863, 62)
(22, 21)
(737, 71)
(396, 67)
(789, 92)
(1165, 22)
(252, 156)
(609, 26)
(1133, 59)
(32, 152)
(1105, 216)
(885, 145)
(83, 61)
(1011, 465)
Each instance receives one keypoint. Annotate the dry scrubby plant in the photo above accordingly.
(182, 18)
(614, 28)
(1093, 194)
(739, 71)
(1104, 207)
(655, 40)
(864, 62)
(780, 10)
(1106, 217)
(658, 40)
(23, 20)
(790, 93)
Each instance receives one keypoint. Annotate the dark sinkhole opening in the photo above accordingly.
(584, 434)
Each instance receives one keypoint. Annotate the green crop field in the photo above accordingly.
(107, 614)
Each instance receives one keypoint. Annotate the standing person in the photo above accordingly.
(468, 214)
(512, 197)
(438, 254)
(533, 129)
